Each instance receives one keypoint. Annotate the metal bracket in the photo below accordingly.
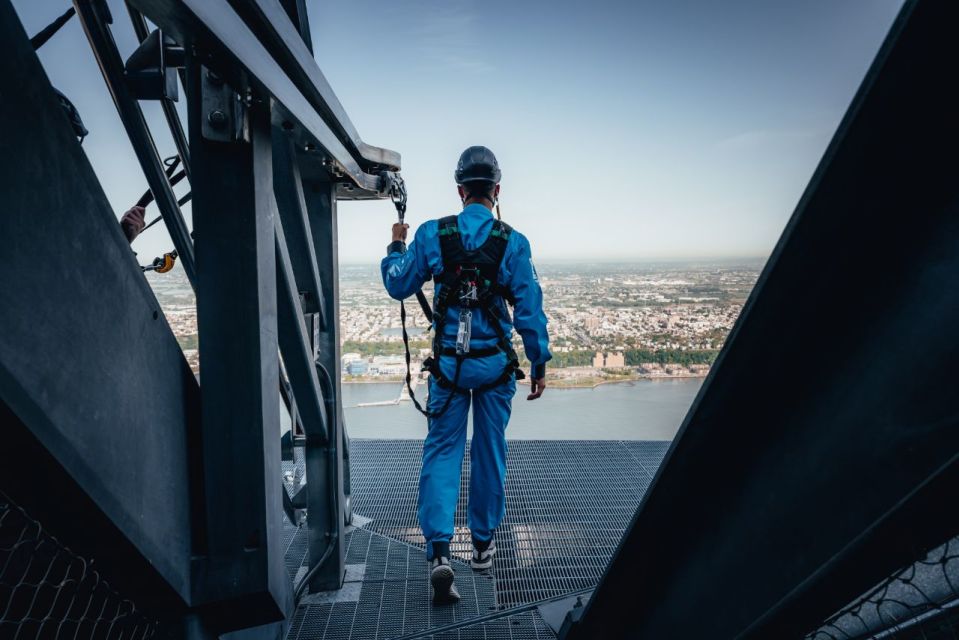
(225, 117)
(150, 71)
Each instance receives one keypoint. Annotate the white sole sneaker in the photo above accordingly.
(483, 559)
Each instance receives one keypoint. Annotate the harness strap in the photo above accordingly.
(450, 281)
(409, 375)
(451, 385)
(512, 360)
(472, 353)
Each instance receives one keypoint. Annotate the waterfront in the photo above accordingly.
(606, 321)
(638, 410)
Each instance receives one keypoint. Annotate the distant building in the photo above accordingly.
(357, 368)
(615, 360)
(388, 365)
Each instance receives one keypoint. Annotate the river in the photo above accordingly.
(640, 410)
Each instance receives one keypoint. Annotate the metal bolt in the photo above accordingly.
(217, 118)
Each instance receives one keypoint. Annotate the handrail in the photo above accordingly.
(234, 52)
(268, 20)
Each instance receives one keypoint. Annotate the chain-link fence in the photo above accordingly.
(46, 591)
(920, 601)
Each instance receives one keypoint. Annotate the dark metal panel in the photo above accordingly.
(821, 453)
(219, 34)
(98, 402)
(240, 573)
(326, 516)
(111, 65)
(288, 187)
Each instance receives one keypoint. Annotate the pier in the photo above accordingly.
(403, 396)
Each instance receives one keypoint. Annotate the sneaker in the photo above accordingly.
(441, 575)
(483, 554)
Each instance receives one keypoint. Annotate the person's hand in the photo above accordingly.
(399, 232)
(536, 387)
(132, 222)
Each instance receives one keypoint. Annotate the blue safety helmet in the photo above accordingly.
(477, 164)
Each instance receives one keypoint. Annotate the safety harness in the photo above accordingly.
(468, 282)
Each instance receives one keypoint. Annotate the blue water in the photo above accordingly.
(641, 410)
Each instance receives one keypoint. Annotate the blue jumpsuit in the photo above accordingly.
(404, 273)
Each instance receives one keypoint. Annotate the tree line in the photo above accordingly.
(634, 357)
(575, 358)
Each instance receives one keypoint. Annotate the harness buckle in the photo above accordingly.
(464, 331)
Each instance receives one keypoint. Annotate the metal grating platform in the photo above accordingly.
(387, 594)
(567, 504)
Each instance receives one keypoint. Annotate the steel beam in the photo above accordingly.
(228, 46)
(288, 187)
(296, 10)
(239, 574)
(324, 468)
(96, 26)
(268, 20)
(169, 109)
(296, 349)
(822, 453)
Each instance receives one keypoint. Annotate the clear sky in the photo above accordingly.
(625, 129)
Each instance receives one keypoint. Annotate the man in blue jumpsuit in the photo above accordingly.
(486, 376)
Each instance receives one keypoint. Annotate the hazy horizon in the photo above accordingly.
(629, 260)
(626, 130)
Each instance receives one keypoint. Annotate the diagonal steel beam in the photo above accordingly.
(279, 35)
(296, 349)
(291, 204)
(169, 109)
(218, 34)
(111, 65)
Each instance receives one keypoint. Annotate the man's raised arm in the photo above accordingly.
(405, 270)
